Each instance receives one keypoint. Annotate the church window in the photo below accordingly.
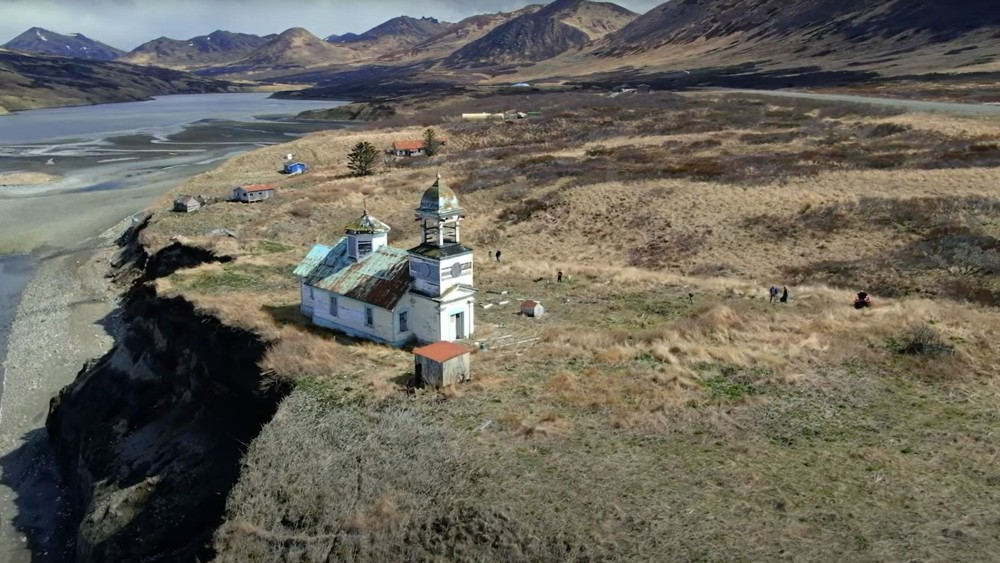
(369, 317)
(333, 306)
(404, 321)
(364, 248)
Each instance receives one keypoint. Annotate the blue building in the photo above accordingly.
(294, 168)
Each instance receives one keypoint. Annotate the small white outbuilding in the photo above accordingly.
(531, 308)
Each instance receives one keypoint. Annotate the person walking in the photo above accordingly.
(559, 276)
(784, 295)
(773, 294)
(498, 255)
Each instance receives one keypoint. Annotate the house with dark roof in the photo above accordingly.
(365, 288)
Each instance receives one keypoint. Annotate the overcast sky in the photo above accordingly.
(128, 23)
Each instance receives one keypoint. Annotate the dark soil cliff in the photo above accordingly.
(150, 436)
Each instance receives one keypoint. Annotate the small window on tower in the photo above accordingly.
(364, 248)
(404, 321)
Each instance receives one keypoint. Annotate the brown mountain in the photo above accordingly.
(887, 36)
(219, 47)
(542, 34)
(36, 81)
(403, 29)
(457, 36)
(294, 50)
(45, 42)
(395, 35)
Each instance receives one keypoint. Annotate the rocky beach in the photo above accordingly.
(72, 198)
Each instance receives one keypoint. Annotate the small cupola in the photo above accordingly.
(365, 235)
(440, 213)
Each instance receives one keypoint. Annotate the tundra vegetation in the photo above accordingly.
(662, 409)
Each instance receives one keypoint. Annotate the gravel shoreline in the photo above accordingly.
(60, 324)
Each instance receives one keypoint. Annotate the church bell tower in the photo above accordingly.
(442, 267)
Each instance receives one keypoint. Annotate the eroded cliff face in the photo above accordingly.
(150, 436)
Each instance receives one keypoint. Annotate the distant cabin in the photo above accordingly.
(522, 85)
(532, 309)
(186, 204)
(441, 364)
(294, 168)
(411, 147)
(254, 192)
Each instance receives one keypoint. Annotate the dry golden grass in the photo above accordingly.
(661, 392)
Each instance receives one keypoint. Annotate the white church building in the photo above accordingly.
(365, 288)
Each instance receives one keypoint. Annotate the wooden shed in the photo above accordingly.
(441, 364)
(187, 204)
(532, 308)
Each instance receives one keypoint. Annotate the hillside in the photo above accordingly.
(662, 410)
(540, 35)
(457, 36)
(891, 37)
(596, 19)
(219, 47)
(404, 29)
(45, 42)
(293, 50)
(37, 81)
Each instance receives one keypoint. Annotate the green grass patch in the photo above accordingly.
(273, 247)
(236, 278)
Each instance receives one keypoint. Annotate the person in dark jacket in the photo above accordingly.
(784, 295)
(498, 255)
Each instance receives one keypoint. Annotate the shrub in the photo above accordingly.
(922, 340)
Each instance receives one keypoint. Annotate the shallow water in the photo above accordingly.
(161, 116)
(15, 273)
(115, 160)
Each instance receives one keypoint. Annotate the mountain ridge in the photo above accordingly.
(44, 42)
(544, 33)
(30, 81)
(218, 47)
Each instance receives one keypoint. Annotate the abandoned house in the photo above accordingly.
(254, 192)
(411, 148)
(441, 364)
(532, 309)
(187, 204)
(365, 288)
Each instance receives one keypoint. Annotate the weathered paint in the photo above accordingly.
(351, 318)
(252, 195)
(434, 277)
(441, 374)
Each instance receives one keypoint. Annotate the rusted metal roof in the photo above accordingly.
(380, 279)
(439, 199)
(441, 351)
(411, 145)
(367, 224)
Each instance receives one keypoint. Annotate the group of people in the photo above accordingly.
(774, 292)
